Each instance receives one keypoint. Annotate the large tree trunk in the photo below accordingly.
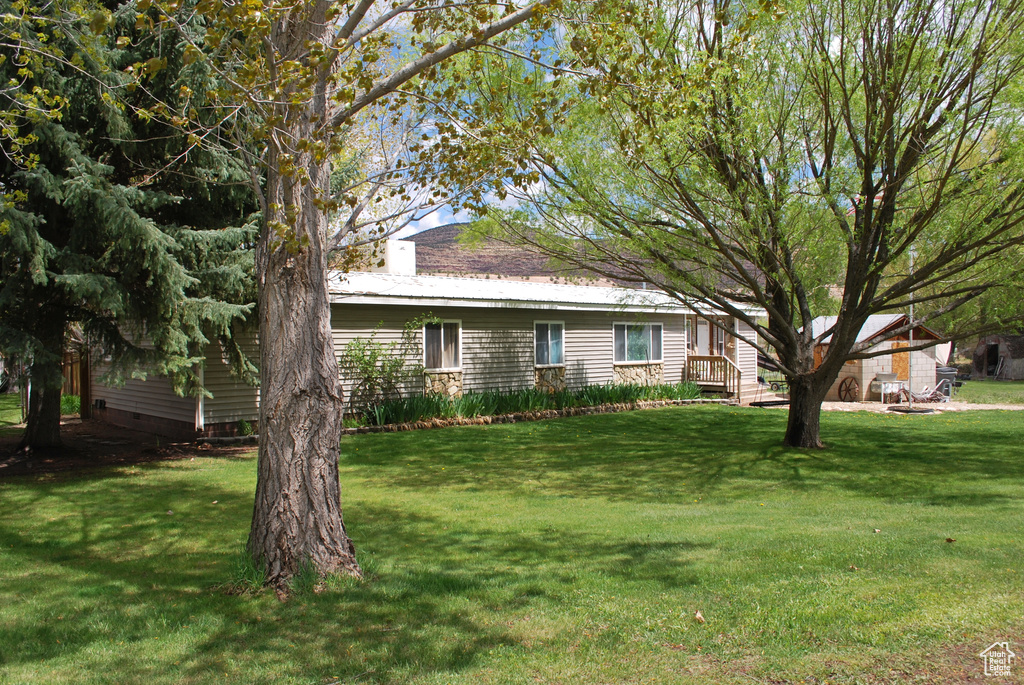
(297, 514)
(42, 429)
(803, 429)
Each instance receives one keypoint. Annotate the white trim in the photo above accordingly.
(432, 302)
(442, 369)
(201, 400)
(548, 323)
(448, 291)
(628, 362)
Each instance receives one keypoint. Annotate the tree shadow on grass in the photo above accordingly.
(670, 455)
(120, 587)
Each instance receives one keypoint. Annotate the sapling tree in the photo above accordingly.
(377, 370)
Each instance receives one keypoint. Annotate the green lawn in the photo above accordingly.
(992, 392)
(571, 551)
(10, 410)
(10, 413)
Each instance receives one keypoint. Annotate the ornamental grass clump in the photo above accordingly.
(498, 403)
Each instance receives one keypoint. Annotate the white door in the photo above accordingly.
(703, 337)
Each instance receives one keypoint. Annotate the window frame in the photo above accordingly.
(690, 331)
(719, 340)
(652, 324)
(441, 323)
(548, 323)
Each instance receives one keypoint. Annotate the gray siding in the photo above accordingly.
(360, 321)
(674, 347)
(497, 343)
(746, 355)
(590, 348)
(232, 399)
(151, 397)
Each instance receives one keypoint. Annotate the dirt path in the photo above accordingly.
(939, 407)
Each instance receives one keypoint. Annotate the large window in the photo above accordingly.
(637, 342)
(441, 345)
(549, 348)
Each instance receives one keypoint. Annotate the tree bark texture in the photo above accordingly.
(297, 517)
(42, 428)
(803, 429)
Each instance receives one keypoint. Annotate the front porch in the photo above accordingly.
(718, 374)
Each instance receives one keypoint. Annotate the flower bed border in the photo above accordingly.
(519, 417)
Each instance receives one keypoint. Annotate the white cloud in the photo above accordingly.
(441, 217)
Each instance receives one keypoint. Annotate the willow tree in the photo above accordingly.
(737, 154)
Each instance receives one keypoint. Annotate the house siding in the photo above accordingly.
(384, 324)
(138, 402)
(497, 343)
(496, 352)
(152, 404)
(746, 355)
(232, 400)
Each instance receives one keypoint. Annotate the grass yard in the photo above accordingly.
(992, 392)
(10, 413)
(569, 551)
(10, 410)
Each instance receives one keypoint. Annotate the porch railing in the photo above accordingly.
(715, 370)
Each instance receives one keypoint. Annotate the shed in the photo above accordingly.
(856, 375)
(1000, 357)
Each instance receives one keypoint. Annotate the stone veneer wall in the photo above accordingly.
(640, 374)
(550, 379)
(444, 383)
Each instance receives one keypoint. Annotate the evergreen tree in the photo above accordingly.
(120, 224)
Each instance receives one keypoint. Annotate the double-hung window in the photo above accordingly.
(637, 342)
(718, 341)
(441, 345)
(549, 345)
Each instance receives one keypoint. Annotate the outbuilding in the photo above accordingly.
(999, 357)
(854, 383)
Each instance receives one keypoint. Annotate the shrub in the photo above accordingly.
(376, 370)
(70, 404)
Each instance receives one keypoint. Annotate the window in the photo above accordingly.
(441, 345)
(691, 336)
(549, 349)
(637, 342)
(718, 344)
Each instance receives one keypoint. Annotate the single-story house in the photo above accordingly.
(485, 334)
(854, 381)
(1000, 357)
